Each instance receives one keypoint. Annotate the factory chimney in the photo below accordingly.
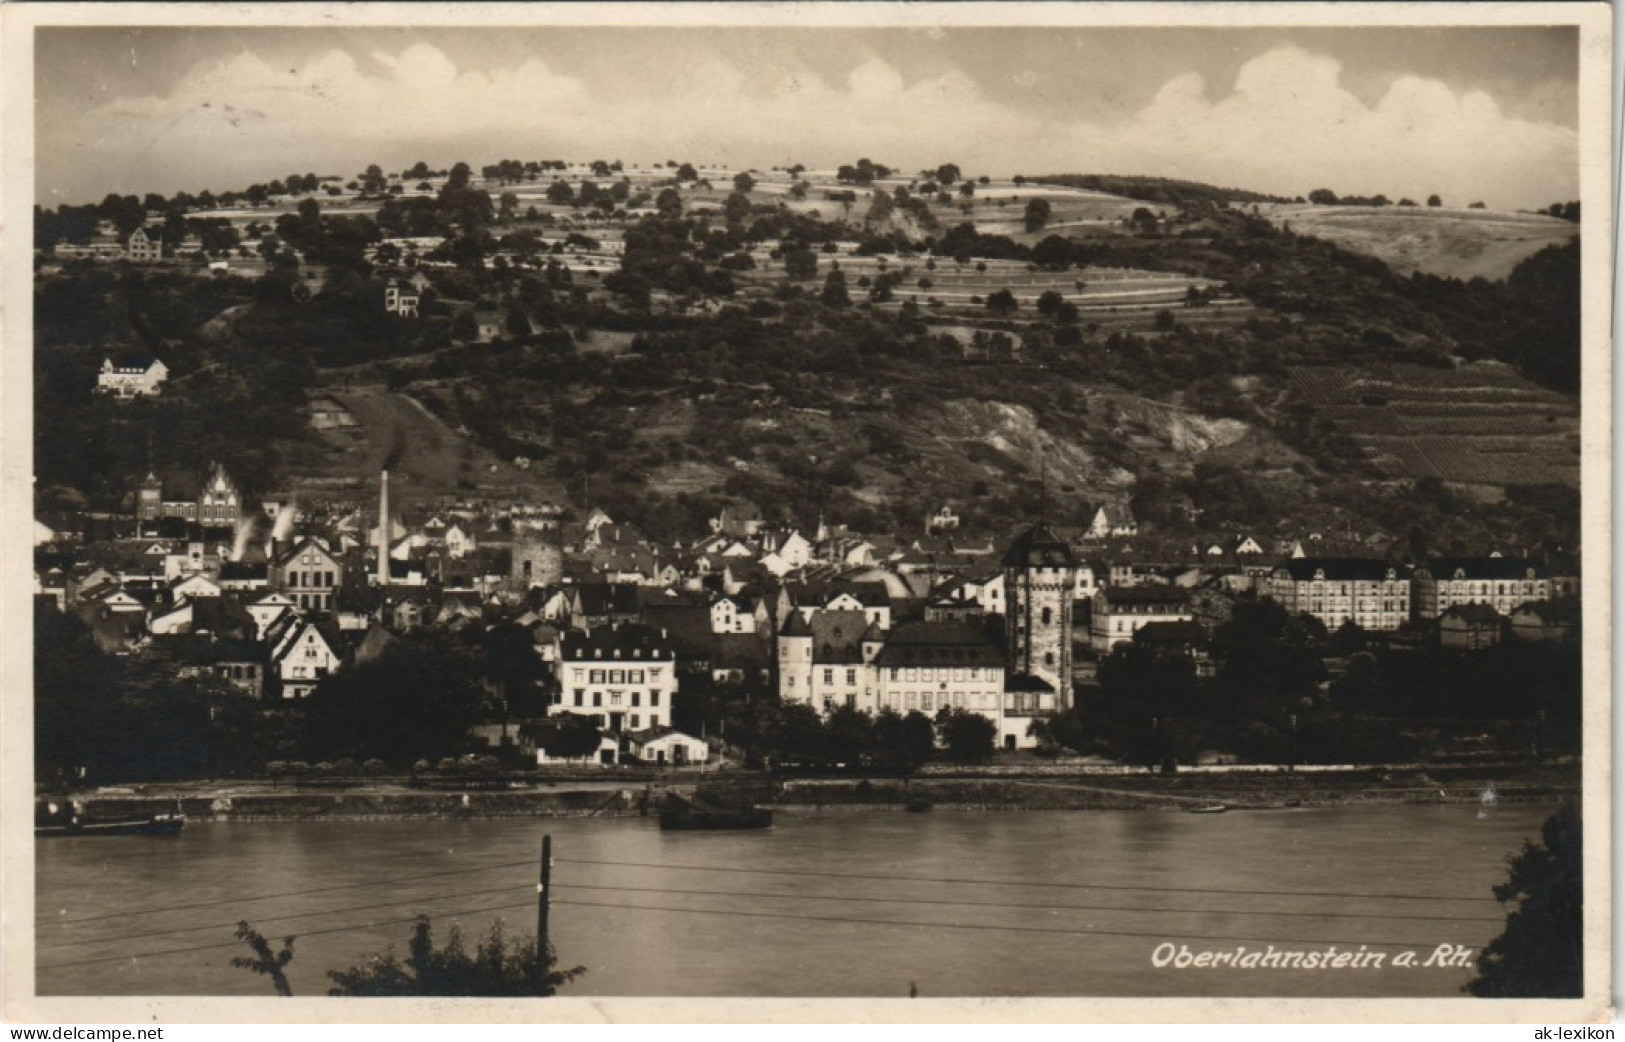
(383, 530)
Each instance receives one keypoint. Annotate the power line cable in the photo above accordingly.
(282, 918)
(1164, 935)
(307, 933)
(292, 893)
(798, 897)
(1040, 907)
(1014, 882)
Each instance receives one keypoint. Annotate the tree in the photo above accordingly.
(686, 172)
(1323, 197)
(948, 174)
(1434, 200)
(743, 182)
(798, 191)
(416, 700)
(1540, 953)
(560, 193)
(574, 735)
(1164, 320)
(497, 968)
(970, 737)
(459, 176)
(800, 264)
(265, 962)
(1037, 214)
(834, 294)
(880, 209)
(1049, 302)
(736, 208)
(1001, 302)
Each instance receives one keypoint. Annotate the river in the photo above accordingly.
(834, 904)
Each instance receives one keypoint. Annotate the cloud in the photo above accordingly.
(1285, 125)
(1288, 127)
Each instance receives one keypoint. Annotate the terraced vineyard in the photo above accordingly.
(1476, 424)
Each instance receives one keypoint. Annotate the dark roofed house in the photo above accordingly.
(738, 658)
(1471, 627)
(1556, 619)
(838, 636)
(688, 627)
(1178, 638)
(927, 667)
(939, 644)
(597, 604)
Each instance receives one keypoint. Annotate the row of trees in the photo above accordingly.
(1268, 701)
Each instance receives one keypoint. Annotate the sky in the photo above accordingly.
(1473, 114)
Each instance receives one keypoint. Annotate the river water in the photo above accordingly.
(833, 904)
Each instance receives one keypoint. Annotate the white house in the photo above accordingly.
(666, 747)
(623, 676)
(131, 376)
(301, 656)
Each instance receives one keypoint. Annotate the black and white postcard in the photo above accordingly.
(608, 509)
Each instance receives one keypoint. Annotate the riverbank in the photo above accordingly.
(1260, 789)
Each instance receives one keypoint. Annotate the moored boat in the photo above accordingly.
(1211, 808)
(682, 814)
(53, 820)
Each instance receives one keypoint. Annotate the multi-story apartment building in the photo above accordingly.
(1119, 612)
(822, 660)
(1503, 583)
(1372, 594)
(624, 677)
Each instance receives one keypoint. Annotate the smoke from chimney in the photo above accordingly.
(383, 528)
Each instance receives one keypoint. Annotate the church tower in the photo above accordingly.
(1040, 573)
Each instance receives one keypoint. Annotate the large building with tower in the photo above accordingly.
(837, 655)
(1040, 578)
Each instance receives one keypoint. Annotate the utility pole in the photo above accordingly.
(544, 897)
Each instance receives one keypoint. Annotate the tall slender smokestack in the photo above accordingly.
(383, 530)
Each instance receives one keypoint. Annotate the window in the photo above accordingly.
(597, 699)
(1048, 615)
(829, 677)
(654, 699)
(851, 677)
(637, 696)
(896, 673)
(637, 721)
(614, 698)
(597, 676)
(617, 676)
(634, 676)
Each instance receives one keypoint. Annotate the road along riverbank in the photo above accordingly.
(969, 789)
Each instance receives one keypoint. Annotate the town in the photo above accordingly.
(499, 606)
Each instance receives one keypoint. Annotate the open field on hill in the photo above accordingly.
(1479, 424)
(1460, 244)
(430, 458)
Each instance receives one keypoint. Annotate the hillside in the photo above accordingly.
(858, 345)
(1459, 244)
